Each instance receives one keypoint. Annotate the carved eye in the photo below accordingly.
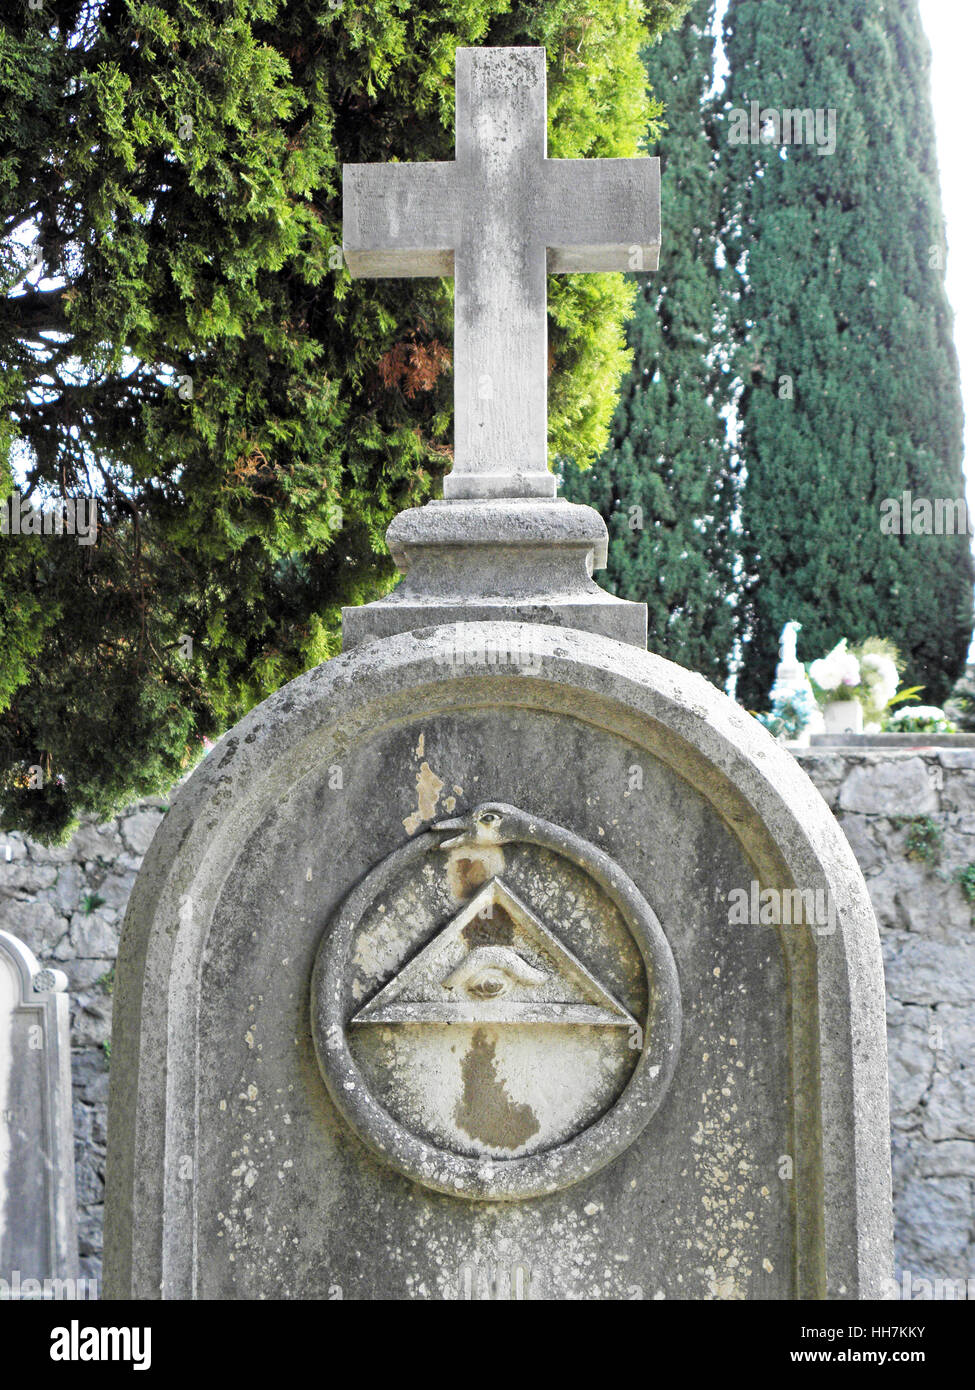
(488, 818)
(490, 971)
(488, 984)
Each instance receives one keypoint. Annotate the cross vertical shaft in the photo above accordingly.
(500, 323)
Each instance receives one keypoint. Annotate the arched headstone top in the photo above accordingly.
(358, 760)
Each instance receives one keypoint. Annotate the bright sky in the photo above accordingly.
(950, 27)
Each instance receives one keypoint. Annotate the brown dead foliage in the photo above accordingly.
(411, 366)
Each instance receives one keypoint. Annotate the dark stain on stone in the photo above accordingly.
(471, 873)
(486, 1111)
(492, 927)
(229, 753)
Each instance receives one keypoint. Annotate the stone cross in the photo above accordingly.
(499, 218)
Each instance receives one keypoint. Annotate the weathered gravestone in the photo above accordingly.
(38, 1240)
(429, 985)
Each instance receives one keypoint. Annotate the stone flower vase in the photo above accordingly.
(843, 717)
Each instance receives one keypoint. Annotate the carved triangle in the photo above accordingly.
(495, 962)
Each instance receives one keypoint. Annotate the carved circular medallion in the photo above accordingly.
(495, 1007)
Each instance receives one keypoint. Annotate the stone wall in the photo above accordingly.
(910, 818)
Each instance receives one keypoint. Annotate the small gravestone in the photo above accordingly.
(38, 1240)
(497, 957)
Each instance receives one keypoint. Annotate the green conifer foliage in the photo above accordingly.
(664, 485)
(850, 381)
(191, 351)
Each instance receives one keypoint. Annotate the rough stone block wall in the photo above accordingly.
(910, 818)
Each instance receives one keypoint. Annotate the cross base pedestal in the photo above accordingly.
(518, 560)
(500, 487)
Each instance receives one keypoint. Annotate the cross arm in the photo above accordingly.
(399, 219)
(598, 212)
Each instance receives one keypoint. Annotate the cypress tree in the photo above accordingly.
(850, 381)
(664, 485)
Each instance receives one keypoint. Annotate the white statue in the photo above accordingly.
(787, 644)
(791, 680)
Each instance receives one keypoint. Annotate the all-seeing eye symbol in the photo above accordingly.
(491, 971)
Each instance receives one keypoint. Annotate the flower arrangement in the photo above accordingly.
(837, 675)
(869, 673)
(920, 719)
(880, 674)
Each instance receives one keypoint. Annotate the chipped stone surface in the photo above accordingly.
(428, 789)
(232, 1172)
